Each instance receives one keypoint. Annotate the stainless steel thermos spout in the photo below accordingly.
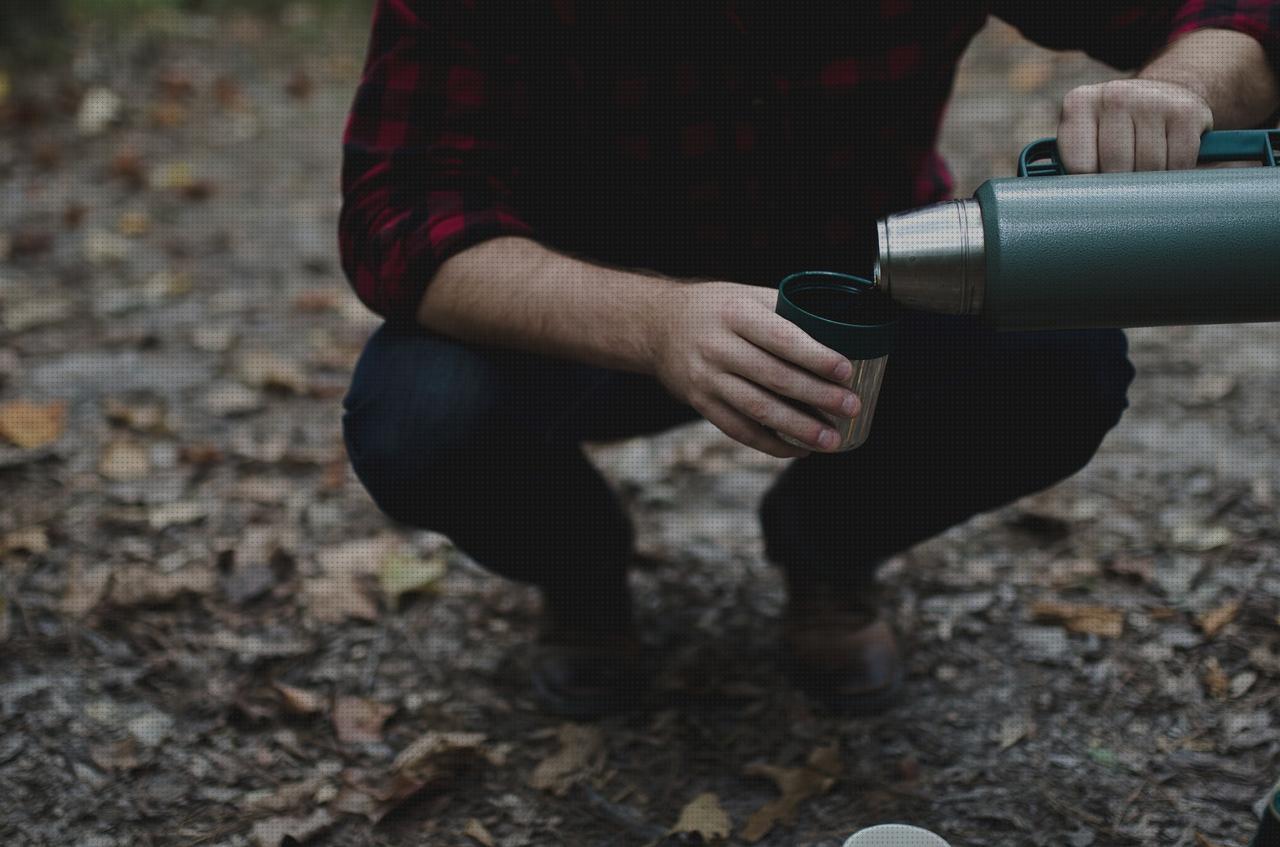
(1047, 250)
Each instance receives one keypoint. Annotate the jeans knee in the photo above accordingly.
(414, 412)
(1095, 403)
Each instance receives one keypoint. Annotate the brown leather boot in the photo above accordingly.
(584, 667)
(841, 650)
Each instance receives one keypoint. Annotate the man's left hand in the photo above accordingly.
(1132, 125)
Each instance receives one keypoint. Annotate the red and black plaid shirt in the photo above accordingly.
(731, 140)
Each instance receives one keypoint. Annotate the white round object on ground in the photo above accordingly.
(895, 835)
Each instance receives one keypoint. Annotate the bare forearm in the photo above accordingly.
(513, 292)
(1227, 69)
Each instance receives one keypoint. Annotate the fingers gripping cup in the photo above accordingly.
(849, 315)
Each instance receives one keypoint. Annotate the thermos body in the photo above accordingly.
(1124, 250)
(1099, 250)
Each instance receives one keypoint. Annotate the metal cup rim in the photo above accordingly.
(847, 282)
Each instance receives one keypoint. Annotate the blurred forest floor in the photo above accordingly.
(208, 634)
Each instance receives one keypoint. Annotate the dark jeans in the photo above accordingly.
(482, 445)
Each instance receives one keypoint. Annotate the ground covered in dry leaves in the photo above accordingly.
(210, 636)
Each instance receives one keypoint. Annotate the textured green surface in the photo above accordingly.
(1123, 250)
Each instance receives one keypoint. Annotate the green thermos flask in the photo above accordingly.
(1047, 250)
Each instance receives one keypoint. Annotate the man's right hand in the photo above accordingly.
(720, 347)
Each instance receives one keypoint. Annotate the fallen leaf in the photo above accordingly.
(1142, 568)
(284, 797)
(334, 599)
(402, 574)
(1242, 682)
(299, 701)
(31, 539)
(1191, 536)
(274, 832)
(266, 369)
(85, 590)
(40, 311)
(359, 721)
(299, 85)
(171, 175)
(143, 416)
(429, 761)
(98, 110)
(477, 833)
(704, 816)
(359, 557)
(104, 247)
(1202, 841)
(175, 514)
(1095, 620)
(117, 756)
(1207, 389)
(31, 425)
(133, 224)
(125, 461)
(138, 585)
(1015, 728)
(581, 751)
(796, 785)
(1212, 622)
(168, 114)
(1216, 680)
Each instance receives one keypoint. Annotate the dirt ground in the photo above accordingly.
(210, 636)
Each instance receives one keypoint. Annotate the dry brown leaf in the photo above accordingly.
(581, 751)
(265, 369)
(401, 574)
(124, 461)
(176, 513)
(1202, 841)
(31, 425)
(1216, 680)
(476, 832)
(1015, 728)
(1140, 567)
(85, 590)
(31, 539)
(299, 701)
(356, 558)
(138, 585)
(273, 832)
(284, 797)
(117, 756)
(796, 785)
(144, 416)
(431, 760)
(1096, 620)
(1212, 622)
(359, 721)
(706, 817)
(334, 599)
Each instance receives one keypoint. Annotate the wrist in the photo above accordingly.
(656, 318)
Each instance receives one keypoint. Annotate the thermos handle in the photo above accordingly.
(1040, 158)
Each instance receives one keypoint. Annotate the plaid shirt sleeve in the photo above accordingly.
(1127, 34)
(426, 151)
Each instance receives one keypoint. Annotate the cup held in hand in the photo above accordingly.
(849, 315)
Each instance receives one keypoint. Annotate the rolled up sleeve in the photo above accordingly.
(1126, 35)
(428, 150)
(1257, 18)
